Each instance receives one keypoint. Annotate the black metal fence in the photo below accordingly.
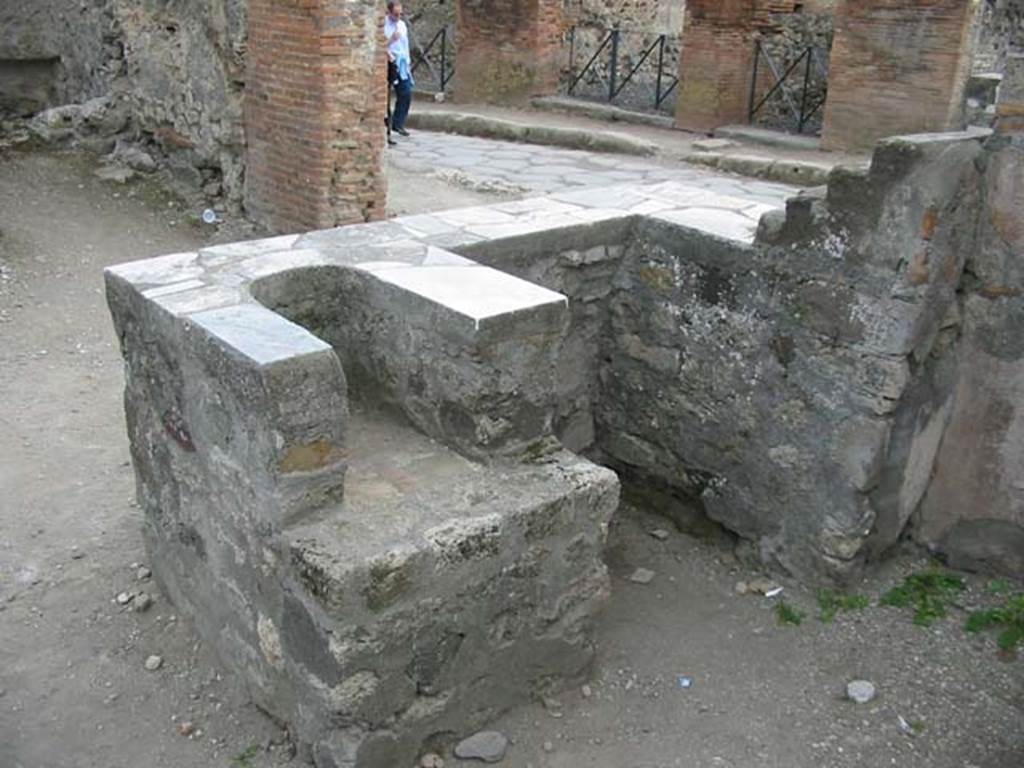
(623, 68)
(793, 94)
(433, 64)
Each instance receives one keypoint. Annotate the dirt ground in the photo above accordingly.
(74, 689)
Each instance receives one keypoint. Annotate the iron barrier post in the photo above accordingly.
(753, 83)
(613, 69)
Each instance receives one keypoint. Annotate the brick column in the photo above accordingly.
(897, 66)
(716, 65)
(314, 113)
(509, 50)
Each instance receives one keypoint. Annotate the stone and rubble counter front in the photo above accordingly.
(360, 451)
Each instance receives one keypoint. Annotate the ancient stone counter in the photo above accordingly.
(360, 451)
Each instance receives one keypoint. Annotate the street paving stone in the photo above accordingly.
(548, 170)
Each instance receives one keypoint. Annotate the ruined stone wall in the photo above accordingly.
(181, 69)
(974, 509)
(184, 77)
(177, 66)
(798, 389)
(995, 26)
(54, 52)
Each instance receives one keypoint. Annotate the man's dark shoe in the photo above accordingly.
(401, 131)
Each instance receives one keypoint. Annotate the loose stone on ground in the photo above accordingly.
(486, 746)
(642, 576)
(860, 691)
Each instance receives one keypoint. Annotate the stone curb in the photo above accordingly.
(801, 173)
(506, 130)
(605, 112)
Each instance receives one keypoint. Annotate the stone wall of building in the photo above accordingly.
(974, 510)
(54, 52)
(995, 25)
(183, 78)
(178, 68)
(785, 31)
(183, 71)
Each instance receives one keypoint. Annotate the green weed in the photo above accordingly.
(831, 603)
(244, 758)
(998, 587)
(1009, 617)
(928, 593)
(787, 614)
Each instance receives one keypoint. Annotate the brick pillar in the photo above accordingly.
(717, 63)
(897, 66)
(314, 113)
(509, 50)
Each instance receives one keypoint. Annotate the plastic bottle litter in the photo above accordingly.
(209, 216)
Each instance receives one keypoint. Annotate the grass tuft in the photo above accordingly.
(928, 593)
(1009, 617)
(787, 614)
(244, 758)
(831, 603)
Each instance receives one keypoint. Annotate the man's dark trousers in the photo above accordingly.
(403, 97)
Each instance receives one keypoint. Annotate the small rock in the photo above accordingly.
(186, 728)
(659, 533)
(549, 747)
(762, 586)
(553, 706)
(154, 663)
(144, 573)
(431, 760)
(76, 554)
(142, 602)
(586, 691)
(712, 145)
(487, 746)
(642, 576)
(860, 691)
(116, 173)
(123, 598)
(742, 587)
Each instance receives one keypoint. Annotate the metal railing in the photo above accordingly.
(606, 70)
(436, 56)
(812, 94)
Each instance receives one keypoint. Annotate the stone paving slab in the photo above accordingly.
(551, 169)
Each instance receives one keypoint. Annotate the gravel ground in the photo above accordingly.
(74, 688)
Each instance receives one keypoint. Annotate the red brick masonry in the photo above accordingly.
(509, 50)
(314, 113)
(897, 67)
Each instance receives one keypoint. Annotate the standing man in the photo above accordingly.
(399, 65)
